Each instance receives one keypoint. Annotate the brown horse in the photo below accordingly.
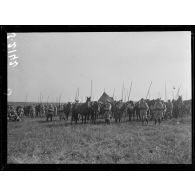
(82, 109)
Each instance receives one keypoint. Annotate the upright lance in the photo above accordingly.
(60, 99)
(26, 98)
(113, 93)
(122, 90)
(165, 92)
(47, 99)
(178, 91)
(77, 94)
(129, 91)
(91, 90)
(124, 94)
(148, 90)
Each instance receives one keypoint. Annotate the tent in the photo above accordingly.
(105, 97)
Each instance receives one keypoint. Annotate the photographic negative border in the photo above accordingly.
(83, 167)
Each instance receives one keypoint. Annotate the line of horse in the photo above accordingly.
(90, 111)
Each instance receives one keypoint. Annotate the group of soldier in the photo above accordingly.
(143, 110)
(17, 113)
(157, 111)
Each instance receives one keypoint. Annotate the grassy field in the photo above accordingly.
(36, 141)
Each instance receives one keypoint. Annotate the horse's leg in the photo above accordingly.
(142, 119)
(85, 119)
(71, 120)
(146, 120)
(94, 117)
(82, 118)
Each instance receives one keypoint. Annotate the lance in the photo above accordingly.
(122, 90)
(178, 91)
(148, 90)
(165, 92)
(47, 99)
(113, 93)
(26, 98)
(124, 95)
(173, 94)
(76, 94)
(129, 91)
(60, 98)
(41, 97)
(91, 90)
(127, 95)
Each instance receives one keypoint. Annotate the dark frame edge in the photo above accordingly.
(83, 167)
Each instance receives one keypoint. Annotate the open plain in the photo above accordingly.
(35, 141)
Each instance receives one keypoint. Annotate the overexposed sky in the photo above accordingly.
(55, 64)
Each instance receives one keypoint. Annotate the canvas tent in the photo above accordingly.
(105, 97)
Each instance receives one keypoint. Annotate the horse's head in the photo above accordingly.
(88, 99)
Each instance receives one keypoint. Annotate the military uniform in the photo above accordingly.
(50, 112)
(158, 111)
(108, 113)
(170, 109)
(143, 107)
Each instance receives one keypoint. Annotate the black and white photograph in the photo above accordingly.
(99, 97)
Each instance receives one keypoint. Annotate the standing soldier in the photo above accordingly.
(55, 110)
(158, 111)
(108, 112)
(143, 107)
(169, 109)
(164, 110)
(32, 111)
(50, 112)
